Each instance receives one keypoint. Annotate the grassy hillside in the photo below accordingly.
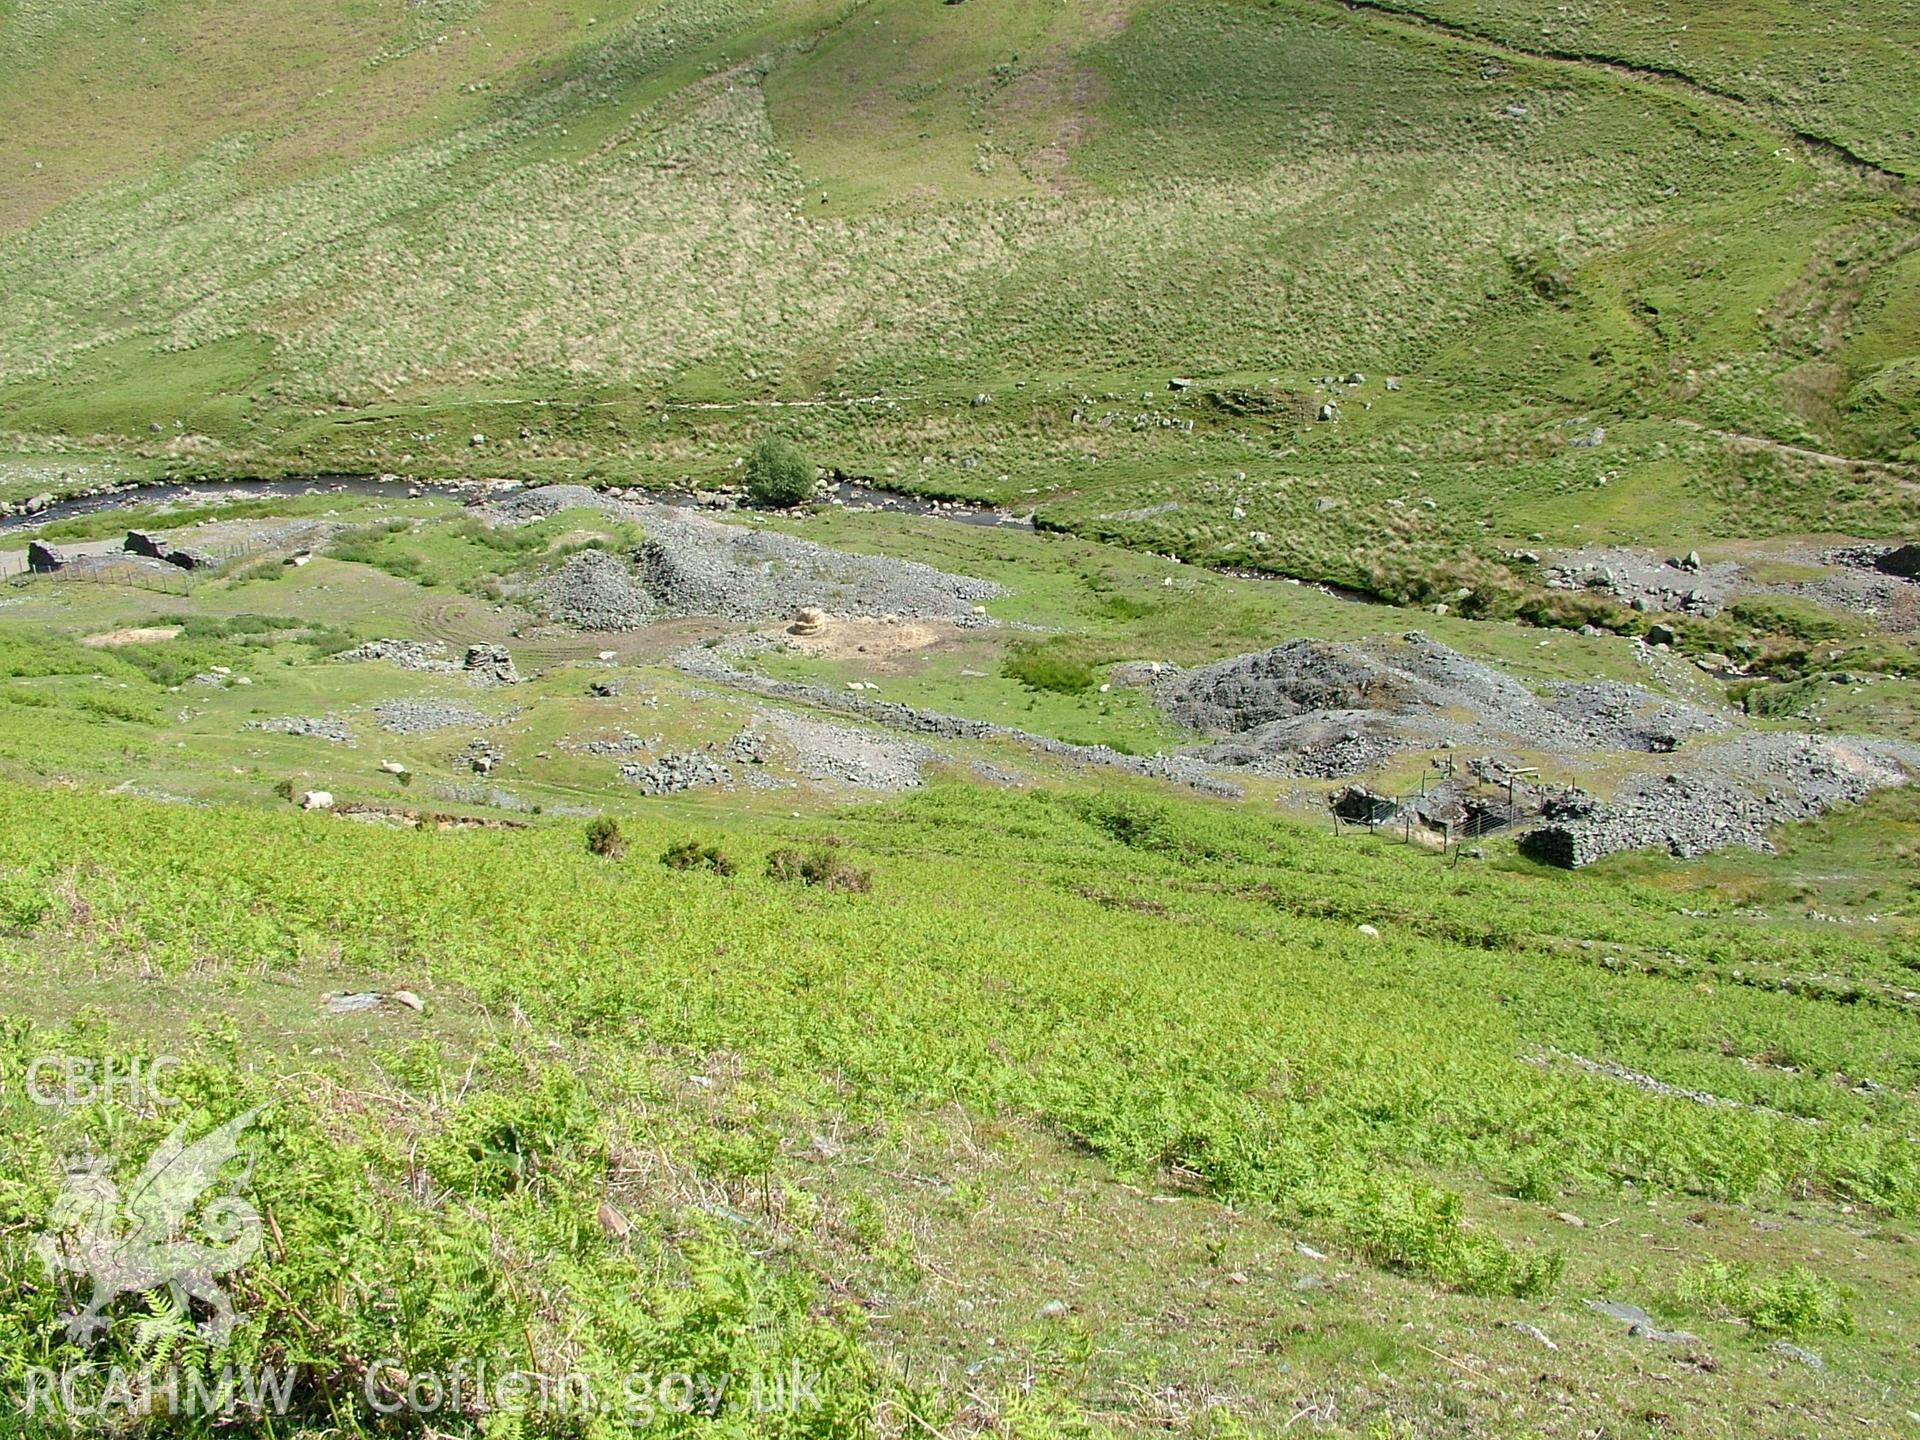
(1822, 69)
(1042, 1097)
(1059, 1103)
(825, 1116)
(387, 230)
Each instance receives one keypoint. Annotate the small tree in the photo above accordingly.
(779, 474)
(604, 837)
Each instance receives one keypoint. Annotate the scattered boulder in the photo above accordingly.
(1640, 1325)
(44, 559)
(1663, 1337)
(1903, 563)
(145, 542)
(360, 1002)
(482, 756)
(809, 620)
(187, 558)
(1621, 1310)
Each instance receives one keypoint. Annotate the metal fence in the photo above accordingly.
(1460, 807)
(116, 568)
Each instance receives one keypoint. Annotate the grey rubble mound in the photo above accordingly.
(1730, 793)
(716, 664)
(1613, 715)
(320, 727)
(1303, 677)
(1865, 580)
(407, 717)
(1326, 708)
(407, 654)
(823, 751)
(692, 565)
(538, 504)
(671, 774)
(625, 743)
(1859, 579)
(593, 590)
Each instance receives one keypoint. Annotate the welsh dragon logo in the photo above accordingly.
(150, 1237)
